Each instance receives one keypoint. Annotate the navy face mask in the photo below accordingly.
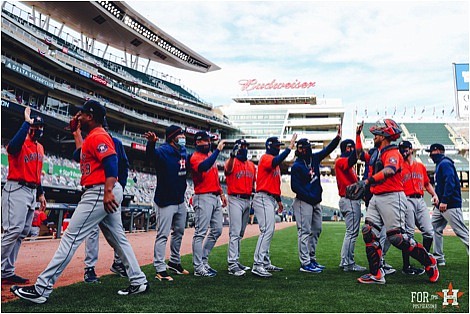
(242, 154)
(436, 157)
(273, 150)
(36, 134)
(205, 148)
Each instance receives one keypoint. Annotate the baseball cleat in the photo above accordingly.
(204, 273)
(119, 269)
(371, 279)
(135, 289)
(90, 275)
(310, 269)
(177, 268)
(314, 262)
(413, 271)
(432, 270)
(245, 268)
(260, 271)
(273, 268)
(354, 267)
(236, 271)
(441, 263)
(210, 269)
(28, 293)
(15, 279)
(163, 276)
(388, 269)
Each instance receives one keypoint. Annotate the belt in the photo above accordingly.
(244, 196)
(212, 193)
(28, 184)
(270, 194)
(87, 187)
(415, 196)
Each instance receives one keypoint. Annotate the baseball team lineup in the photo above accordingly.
(392, 189)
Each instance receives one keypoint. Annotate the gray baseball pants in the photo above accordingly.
(264, 206)
(239, 214)
(316, 230)
(351, 211)
(89, 213)
(208, 223)
(18, 204)
(92, 246)
(304, 218)
(172, 217)
(454, 217)
(422, 219)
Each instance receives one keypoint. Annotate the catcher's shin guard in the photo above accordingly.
(415, 249)
(370, 233)
(427, 242)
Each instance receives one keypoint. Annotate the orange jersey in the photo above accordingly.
(345, 175)
(27, 164)
(207, 181)
(97, 146)
(390, 158)
(242, 177)
(268, 178)
(414, 178)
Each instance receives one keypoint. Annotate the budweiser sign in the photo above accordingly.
(253, 84)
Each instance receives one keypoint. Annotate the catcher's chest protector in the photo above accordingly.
(376, 160)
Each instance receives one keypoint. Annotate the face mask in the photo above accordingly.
(36, 134)
(242, 154)
(436, 157)
(181, 142)
(347, 154)
(273, 151)
(203, 148)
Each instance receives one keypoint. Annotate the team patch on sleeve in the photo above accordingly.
(102, 148)
(392, 161)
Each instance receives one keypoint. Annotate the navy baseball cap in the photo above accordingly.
(37, 121)
(274, 141)
(172, 131)
(436, 146)
(202, 135)
(405, 144)
(303, 143)
(95, 108)
(242, 142)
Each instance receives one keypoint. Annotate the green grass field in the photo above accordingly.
(287, 291)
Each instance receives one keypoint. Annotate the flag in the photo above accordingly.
(365, 112)
(395, 110)
(424, 109)
(452, 110)
(404, 113)
(414, 110)
(443, 111)
(434, 111)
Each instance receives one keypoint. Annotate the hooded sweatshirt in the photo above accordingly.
(447, 183)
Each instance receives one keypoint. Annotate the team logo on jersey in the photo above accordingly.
(392, 160)
(102, 148)
(182, 163)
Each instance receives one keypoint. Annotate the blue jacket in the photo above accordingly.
(447, 183)
(170, 165)
(305, 177)
(123, 162)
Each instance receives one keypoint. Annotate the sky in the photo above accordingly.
(374, 55)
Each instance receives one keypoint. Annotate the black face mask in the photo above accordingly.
(436, 157)
(205, 148)
(347, 154)
(242, 154)
(36, 134)
(305, 155)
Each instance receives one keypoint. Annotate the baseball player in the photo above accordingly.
(170, 164)
(39, 219)
(415, 181)
(449, 207)
(99, 204)
(268, 193)
(206, 201)
(305, 182)
(388, 205)
(92, 242)
(240, 175)
(350, 209)
(25, 158)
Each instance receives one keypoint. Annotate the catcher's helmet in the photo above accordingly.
(387, 128)
(37, 121)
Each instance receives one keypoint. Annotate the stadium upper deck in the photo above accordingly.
(45, 67)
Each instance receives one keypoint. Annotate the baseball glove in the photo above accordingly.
(356, 190)
(73, 124)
